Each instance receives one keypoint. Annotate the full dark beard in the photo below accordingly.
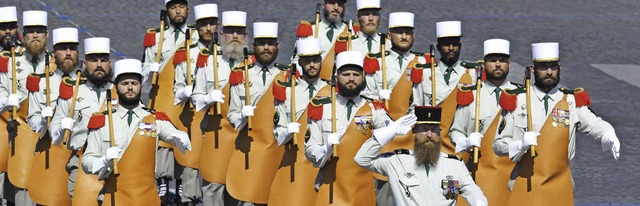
(332, 19)
(427, 153)
(544, 86)
(350, 93)
(98, 81)
(128, 102)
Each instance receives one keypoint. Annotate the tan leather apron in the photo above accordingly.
(546, 178)
(254, 161)
(344, 182)
(328, 62)
(218, 144)
(21, 149)
(136, 183)
(449, 106)
(48, 180)
(293, 183)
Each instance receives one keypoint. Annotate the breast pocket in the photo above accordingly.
(409, 185)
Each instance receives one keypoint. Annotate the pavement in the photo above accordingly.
(598, 51)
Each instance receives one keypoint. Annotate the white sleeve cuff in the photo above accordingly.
(515, 151)
(98, 164)
(462, 145)
(384, 135)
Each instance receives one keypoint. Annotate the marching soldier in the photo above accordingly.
(128, 151)
(253, 164)
(161, 53)
(449, 73)
(340, 181)
(297, 186)
(8, 26)
(31, 60)
(395, 85)
(424, 176)
(490, 172)
(79, 98)
(554, 114)
(368, 38)
(329, 29)
(216, 148)
(189, 186)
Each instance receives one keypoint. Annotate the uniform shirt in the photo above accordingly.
(38, 100)
(24, 67)
(257, 90)
(464, 119)
(99, 141)
(169, 46)
(360, 44)
(422, 92)
(580, 118)
(204, 79)
(413, 184)
(325, 43)
(181, 69)
(87, 103)
(317, 149)
(302, 101)
(394, 73)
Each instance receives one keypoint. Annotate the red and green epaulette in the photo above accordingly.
(305, 29)
(315, 107)
(465, 96)
(417, 68)
(33, 81)
(4, 61)
(581, 96)
(180, 56)
(150, 37)
(371, 64)
(509, 98)
(237, 72)
(66, 87)
(96, 121)
(203, 56)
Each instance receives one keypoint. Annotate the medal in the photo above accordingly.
(554, 124)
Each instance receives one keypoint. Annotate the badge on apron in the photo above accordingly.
(450, 187)
(363, 123)
(560, 118)
(148, 129)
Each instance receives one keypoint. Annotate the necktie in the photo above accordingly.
(350, 105)
(400, 58)
(311, 88)
(447, 74)
(546, 102)
(264, 75)
(129, 117)
(34, 63)
(98, 92)
(231, 63)
(330, 32)
(369, 39)
(497, 92)
(176, 34)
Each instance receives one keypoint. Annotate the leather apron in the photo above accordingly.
(328, 62)
(449, 106)
(217, 144)
(254, 161)
(343, 181)
(546, 178)
(21, 148)
(136, 183)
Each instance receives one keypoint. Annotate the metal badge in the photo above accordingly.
(560, 118)
(363, 123)
(450, 187)
(147, 129)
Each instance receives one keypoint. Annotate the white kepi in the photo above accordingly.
(97, 45)
(234, 18)
(65, 35)
(206, 11)
(496, 46)
(545, 52)
(34, 18)
(448, 29)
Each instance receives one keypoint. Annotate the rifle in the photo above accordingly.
(294, 116)
(527, 80)
(432, 55)
(163, 14)
(334, 120)
(247, 91)
(111, 135)
(214, 48)
(383, 49)
(76, 87)
(477, 113)
(317, 25)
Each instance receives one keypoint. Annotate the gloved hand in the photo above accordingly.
(99, 163)
(473, 139)
(384, 94)
(13, 100)
(113, 153)
(182, 141)
(247, 111)
(154, 67)
(293, 127)
(610, 142)
(67, 123)
(183, 94)
(401, 126)
(530, 138)
(47, 112)
(333, 138)
(214, 96)
(518, 148)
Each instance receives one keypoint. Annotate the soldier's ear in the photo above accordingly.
(84, 64)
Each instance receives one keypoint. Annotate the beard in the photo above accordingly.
(499, 77)
(450, 58)
(128, 102)
(332, 19)
(368, 29)
(66, 66)
(232, 50)
(98, 81)
(35, 49)
(350, 93)
(267, 59)
(427, 152)
(544, 85)
(309, 75)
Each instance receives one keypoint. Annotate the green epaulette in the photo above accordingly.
(318, 101)
(417, 53)
(467, 88)
(282, 66)
(69, 81)
(518, 85)
(377, 55)
(453, 156)
(470, 65)
(567, 90)
(396, 152)
(516, 91)
(150, 110)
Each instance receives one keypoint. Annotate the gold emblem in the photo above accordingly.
(363, 123)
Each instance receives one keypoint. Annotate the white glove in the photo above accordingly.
(182, 141)
(334, 138)
(183, 94)
(98, 164)
(247, 111)
(293, 127)
(47, 112)
(113, 153)
(530, 138)
(67, 123)
(401, 126)
(473, 139)
(480, 203)
(154, 67)
(214, 96)
(384, 94)
(518, 148)
(12, 101)
(610, 142)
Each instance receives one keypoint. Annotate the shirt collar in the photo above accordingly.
(259, 66)
(326, 24)
(540, 94)
(122, 112)
(343, 100)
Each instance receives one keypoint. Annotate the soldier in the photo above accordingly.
(216, 150)
(308, 86)
(133, 146)
(449, 73)
(330, 28)
(491, 172)
(340, 181)
(90, 97)
(424, 176)
(555, 113)
(368, 38)
(155, 61)
(8, 26)
(252, 163)
(27, 62)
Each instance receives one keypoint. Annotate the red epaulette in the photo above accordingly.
(341, 45)
(180, 56)
(66, 90)
(484, 74)
(279, 91)
(314, 112)
(305, 29)
(162, 116)
(582, 97)
(508, 101)
(356, 28)
(4, 62)
(96, 121)
(288, 74)
(150, 37)
(371, 65)
(203, 56)
(464, 96)
(379, 104)
(33, 83)
(236, 77)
